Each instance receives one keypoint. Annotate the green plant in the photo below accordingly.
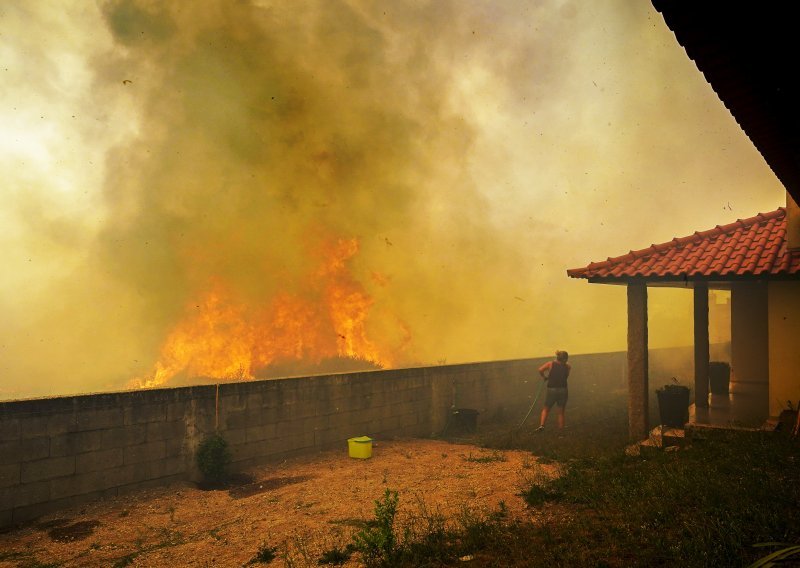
(336, 555)
(213, 457)
(265, 554)
(378, 543)
(494, 456)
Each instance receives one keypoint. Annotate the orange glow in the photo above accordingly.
(323, 318)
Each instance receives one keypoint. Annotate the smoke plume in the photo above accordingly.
(468, 152)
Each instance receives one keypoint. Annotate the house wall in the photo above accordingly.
(784, 345)
(749, 333)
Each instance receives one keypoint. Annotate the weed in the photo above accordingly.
(36, 564)
(265, 554)
(336, 555)
(126, 560)
(378, 544)
(494, 456)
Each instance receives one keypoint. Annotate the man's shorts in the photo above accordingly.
(556, 396)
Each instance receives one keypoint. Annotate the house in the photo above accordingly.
(747, 55)
(758, 260)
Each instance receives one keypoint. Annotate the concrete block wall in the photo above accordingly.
(58, 452)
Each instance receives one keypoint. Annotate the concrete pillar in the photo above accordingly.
(749, 333)
(638, 419)
(701, 355)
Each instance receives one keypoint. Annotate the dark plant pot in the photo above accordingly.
(786, 421)
(719, 377)
(673, 405)
(465, 420)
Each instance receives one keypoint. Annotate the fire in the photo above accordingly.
(325, 317)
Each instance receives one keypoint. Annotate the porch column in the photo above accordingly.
(638, 420)
(701, 355)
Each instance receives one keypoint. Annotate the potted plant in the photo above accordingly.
(719, 376)
(673, 404)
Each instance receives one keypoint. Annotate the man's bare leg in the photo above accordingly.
(545, 412)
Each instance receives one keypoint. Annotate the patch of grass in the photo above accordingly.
(36, 564)
(265, 554)
(702, 506)
(350, 522)
(336, 556)
(126, 560)
(492, 457)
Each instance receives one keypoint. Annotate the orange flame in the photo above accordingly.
(221, 337)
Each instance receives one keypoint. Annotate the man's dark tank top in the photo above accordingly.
(557, 379)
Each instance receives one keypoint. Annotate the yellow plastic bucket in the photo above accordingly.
(360, 447)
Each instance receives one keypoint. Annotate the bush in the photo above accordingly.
(377, 542)
(213, 457)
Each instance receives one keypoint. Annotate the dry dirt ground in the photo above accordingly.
(302, 506)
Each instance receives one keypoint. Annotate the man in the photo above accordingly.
(555, 373)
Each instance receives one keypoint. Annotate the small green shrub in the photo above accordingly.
(377, 543)
(213, 457)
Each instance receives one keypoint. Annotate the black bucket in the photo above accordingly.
(673, 405)
(719, 377)
(465, 420)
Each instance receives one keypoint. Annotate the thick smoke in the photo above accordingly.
(475, 149)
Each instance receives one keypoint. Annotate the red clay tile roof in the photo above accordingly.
(748, 247)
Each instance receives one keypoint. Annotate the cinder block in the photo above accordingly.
(95, 461)
(231, 420)
(31, 512)
(10, 475)
(25, 494)
(254, 417)
(124, 436)
(329, 438)
(235, 437)
(33, 426)
(177, 410)
(5, 518)
(269, 414)
(9, 429)
(158, 469)
(142, 413)
(16, 451)
(100, 419)
(258, 433)
(75, 443)
(48, 468)
(250, 450)
(254, 401)
(87, 483)
(165, 430)
(313, 423)
(61, 423)
(149, 451)
(176, 446)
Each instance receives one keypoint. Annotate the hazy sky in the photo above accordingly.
(470, 152)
